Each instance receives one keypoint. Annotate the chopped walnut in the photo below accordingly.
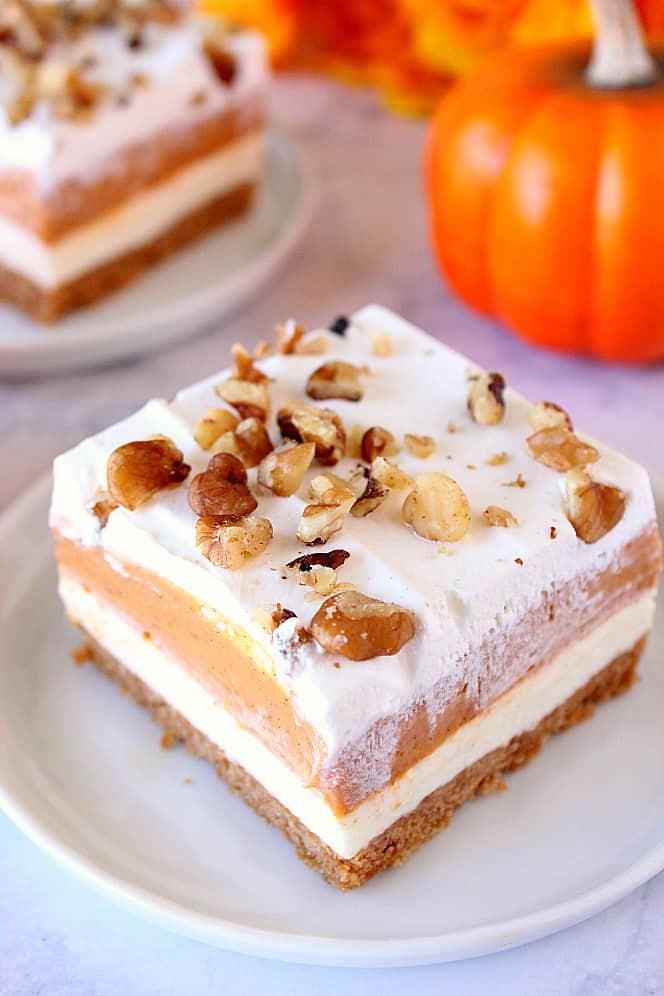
(592, 508)
(251, 399)
(389, 474)
(262, 349)
(547, 415)
(560, 449)
(222, 489)
(420, 446)
(381, 342)
(282, 471)
(486, 402)
(102, 507)
(437, 508)
(497, 459)
(317, 570)
(354, 442)
(497, 516)
(212, 425)
(222, 61)
(307, 424)
(287, 335)
(137, 471)
(335, 379)
(377, 441)
(228, 541)
(321, 520)
(252, 441)
(360, 628)
(312, 345)
(244, 366)
(373, 495)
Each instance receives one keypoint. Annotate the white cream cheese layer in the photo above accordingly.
(461, 597)
(518, 710)
(135, 223)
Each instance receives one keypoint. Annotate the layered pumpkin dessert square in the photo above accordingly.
(128, 128)
(362, 577)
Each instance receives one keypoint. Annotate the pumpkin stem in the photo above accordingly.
(620, 57)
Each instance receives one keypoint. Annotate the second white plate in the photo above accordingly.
(82, 772)
(186, 293)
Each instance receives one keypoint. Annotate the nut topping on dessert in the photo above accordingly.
(282, 471)
(212, 425)
(420, 446)
(560, 449)
(102, 507)
(335, 379)
(222, 489)
(373, 495)
(287, 335)
(548, 415)
(317, 570)
(307, 424)
(326, 517)
(497, 516)
(227, 541)
(252, 441)
(592, 508)
(497, 459)
(250, 399)
(244, 367)
(377, 441)
(437, 508)
(358, 627)
(389, 474)
(137, 471)
(381, 342)
(486, 402)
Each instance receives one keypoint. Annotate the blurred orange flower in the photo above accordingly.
(410, 49)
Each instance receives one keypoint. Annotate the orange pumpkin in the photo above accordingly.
(545, 174)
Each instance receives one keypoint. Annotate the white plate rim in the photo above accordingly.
(168, 324)
(315, 949)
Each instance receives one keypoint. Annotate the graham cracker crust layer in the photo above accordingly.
(48, 306)
(395, 845)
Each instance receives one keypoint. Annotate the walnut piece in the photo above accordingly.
(222, 489)
(321, 520)
(420, 446)
(250, 399)
(137, 471)
(287, 335)
(389, 474)
(373, 495)
(252, 441)
(560, 449)
(335, 379)
(212, 425)
(102, 507)
(381, 342)
(228, 541)
(317, 570)
(548, 415)
(486, 402)
(377, 441)
(437, 508)
(497, 459)
(307, 424)
(312, 345)
(497, 516)
(282, 471)
(592, 508)
(244, 366)
(360, 628)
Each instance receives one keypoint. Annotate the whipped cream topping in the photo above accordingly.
(461, 596)
(136, 222)
(519, 709)
(179, 88)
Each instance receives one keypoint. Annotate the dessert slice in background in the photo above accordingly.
(126, 131)
(362, 577)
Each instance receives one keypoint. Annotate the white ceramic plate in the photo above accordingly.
(82, 773)
(183, 295)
